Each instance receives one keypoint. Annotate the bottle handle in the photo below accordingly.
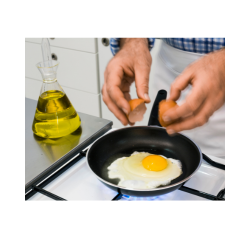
(46, 51)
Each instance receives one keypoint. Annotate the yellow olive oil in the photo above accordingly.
(55, 116)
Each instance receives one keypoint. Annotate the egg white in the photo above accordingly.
(133, 175)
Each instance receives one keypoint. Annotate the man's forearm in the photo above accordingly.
(117, 43)
(142, 41)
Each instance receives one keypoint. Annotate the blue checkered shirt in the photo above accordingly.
(196, 45)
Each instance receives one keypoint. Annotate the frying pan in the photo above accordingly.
(153, 139)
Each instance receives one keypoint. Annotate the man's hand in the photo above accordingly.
(207, 77)
(131, 63)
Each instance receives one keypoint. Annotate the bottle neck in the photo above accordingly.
(49, 80)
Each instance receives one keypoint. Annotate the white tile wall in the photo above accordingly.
(82, 44)
(77, 73)
(77, 70)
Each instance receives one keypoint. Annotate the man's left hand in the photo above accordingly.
(207, 77)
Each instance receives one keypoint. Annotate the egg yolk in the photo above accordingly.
(154, 163)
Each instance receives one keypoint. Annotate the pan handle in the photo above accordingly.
(153, 119)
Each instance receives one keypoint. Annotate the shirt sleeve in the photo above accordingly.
(115, 44)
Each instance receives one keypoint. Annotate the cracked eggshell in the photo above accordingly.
(164, 106)
(138, 109)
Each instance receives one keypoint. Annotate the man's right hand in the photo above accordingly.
(131, 63)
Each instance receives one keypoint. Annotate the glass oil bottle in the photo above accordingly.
(55, 115)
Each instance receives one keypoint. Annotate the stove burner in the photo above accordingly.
(153, 198)
(219, 196)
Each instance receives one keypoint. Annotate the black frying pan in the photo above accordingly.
(155, 140)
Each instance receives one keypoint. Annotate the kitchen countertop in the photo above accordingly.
(43, 153)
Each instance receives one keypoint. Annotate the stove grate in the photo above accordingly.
(39, 188)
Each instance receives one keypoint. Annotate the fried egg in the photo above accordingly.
(143, 170)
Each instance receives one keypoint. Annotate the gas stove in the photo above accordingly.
(75, 181)
(58, 170)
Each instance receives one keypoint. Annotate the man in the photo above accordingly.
(192, 69)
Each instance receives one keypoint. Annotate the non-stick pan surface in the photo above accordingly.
(124, 142)
(155, 140)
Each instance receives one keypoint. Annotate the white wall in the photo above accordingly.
(78, 72)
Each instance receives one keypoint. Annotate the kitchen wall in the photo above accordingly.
(80, 73)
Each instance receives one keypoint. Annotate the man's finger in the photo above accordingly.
(192, 103)
(141, 82)
(180, 83)
(197, 119)
(127, 96)
(113, 90)
(113, 108)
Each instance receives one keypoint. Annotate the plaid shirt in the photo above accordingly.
(196, 45)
